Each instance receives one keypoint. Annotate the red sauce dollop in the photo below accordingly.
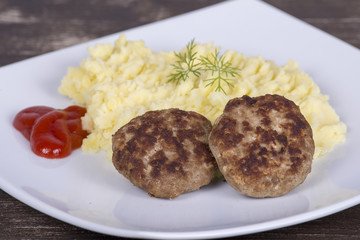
(53, 133)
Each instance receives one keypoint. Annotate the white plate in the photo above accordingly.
(86, 191)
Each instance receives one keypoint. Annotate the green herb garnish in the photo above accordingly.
(185, 64)
(220, 70)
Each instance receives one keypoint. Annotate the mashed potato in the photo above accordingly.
(123, 80)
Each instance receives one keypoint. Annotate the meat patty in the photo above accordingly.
(165, 152)
(263, 145)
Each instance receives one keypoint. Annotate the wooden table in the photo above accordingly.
(33, 27)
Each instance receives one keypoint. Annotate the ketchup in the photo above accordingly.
(53, 133)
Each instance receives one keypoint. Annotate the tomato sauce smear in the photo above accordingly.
(53, 133)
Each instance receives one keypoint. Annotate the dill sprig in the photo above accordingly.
(221, 71)
(185, 64)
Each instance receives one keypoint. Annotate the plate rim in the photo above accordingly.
(196, 234)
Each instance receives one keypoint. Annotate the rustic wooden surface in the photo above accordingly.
(32, 27)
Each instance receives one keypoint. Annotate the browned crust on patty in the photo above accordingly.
(263, 145)
(165, 152)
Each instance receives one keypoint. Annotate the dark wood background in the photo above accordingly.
(33, 27)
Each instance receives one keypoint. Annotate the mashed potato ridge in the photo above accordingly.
(120, 81)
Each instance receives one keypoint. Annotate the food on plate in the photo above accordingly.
(53, 133)
(121, 81)
(165, 152)
(263, 145)
(216, 67)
